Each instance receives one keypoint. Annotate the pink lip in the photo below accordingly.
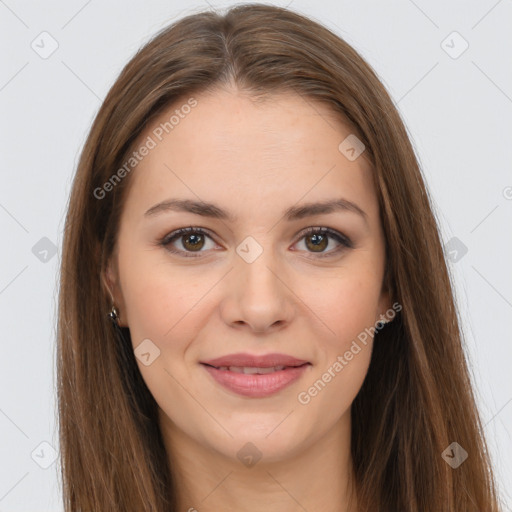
(254, 385)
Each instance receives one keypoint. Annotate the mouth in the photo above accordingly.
(252, 370)
(256, 376)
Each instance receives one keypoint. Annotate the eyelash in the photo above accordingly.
(345, 242)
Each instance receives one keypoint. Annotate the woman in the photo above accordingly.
(255, 310)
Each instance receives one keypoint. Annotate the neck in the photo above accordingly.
(316, 477)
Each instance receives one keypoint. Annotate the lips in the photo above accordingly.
(256, 376)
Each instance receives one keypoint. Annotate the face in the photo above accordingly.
(250, 276)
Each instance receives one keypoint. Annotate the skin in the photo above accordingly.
(254, 160)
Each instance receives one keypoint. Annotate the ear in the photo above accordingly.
(385, 302)
(110, 278)
(384, 305)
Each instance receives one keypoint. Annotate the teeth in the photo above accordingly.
(251, 370)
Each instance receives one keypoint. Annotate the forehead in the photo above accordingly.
(237, 151)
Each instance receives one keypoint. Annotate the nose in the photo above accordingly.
(257, 296)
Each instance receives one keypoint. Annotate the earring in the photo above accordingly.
(113, 315)
(380, 324)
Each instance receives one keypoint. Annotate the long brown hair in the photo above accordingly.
(417, 397)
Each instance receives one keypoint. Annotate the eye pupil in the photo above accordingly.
(318, 240)
(197, 238)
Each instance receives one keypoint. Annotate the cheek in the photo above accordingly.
(160, 308)
(155, 297)
(348, 310)
(346, 305)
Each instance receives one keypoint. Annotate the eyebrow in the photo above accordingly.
(206, 209)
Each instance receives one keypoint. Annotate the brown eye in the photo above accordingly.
(317, 240)
(318, 243)
(193, 241)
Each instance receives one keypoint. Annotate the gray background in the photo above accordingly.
(456, 104)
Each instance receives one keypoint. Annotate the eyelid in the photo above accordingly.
(344, 241)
